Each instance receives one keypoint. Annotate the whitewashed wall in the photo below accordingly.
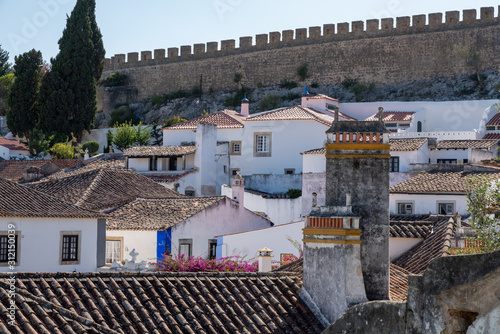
(275, 238)
(279, 210)
(224, 217)
(40, 243)
(426, 203)
(460, 155)
(395, 178)
(144, 243)
(139, 164)
(312, 183)
(273, 183)
(398, 246)
(4, 153)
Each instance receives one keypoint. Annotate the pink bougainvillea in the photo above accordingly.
(180, 263)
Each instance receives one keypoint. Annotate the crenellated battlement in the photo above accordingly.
(356, 30)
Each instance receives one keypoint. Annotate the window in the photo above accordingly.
(185, 247)
(70, 247)
(446, 161)
(466, 161)
(446, 208)
(394, 164)
(391, 125)
(234, 172)
(419, 126)
(405, 208)
(9, 247)
(212, 248)
(262, 144)
(172, 163)
(113, 250)
(236, 147)
(490, 128)
(289, 171)
(189, 191)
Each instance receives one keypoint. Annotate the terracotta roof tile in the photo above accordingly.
(165, 177)
(463, 144)
(296, 113)
(157, 214)
(103, 188)
(118, 162)
(13, 144)
(20, 201)
(407, 229)
(492, 136)
(142, 151)
(322, 96)
(406, 144)
(393, 116)
(435, 245)
(440, 182)
(157, 303)
(398, 284)
(13, 169)
(226, 119)
(495, 120)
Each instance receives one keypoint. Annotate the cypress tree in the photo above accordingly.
(69, 92)
(23, 114)
(4, 62)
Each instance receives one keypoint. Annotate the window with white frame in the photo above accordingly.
(446, 208)
(185, 247)
(70, 247)
(113, 250)
(405, 208)
(236, 147)
(262, 144)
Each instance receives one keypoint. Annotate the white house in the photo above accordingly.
(155, 227)
(48, 235)
(12, 148)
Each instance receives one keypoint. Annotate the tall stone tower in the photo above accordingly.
(357, 163)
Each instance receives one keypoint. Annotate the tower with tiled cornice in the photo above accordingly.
(357, 163)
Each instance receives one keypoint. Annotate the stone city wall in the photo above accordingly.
(383, 51)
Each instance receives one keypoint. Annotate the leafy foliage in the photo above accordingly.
(68, 93)
(160, 100)
(180, 263)
(62, 151)
(92, 146)
(288, 84)
(294, 193)
(483, 202)
(237, 78)
(4, 62)
(116, 79)
(302, 72)
(235, 100)
(359, 89)
(270, 102)
(142, 135)
(127, 135)
(23, 114)
(6, 82)
(122, 115)
(157, 133)
(38, 143)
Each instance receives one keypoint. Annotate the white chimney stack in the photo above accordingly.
(265, 259)
(238, 190)
(245, 107)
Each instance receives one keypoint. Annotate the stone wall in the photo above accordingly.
(455, 294)
(385, 52)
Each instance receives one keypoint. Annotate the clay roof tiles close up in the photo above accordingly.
(145, 303)
(393, 116)
(13, 170)
(13, 144)
(406, 144)
(296, 113)
(495, 120)
(226, 119)
(143, 151)
(464, 144)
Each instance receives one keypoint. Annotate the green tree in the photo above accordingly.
(124, 136)
(38, 143)
(6, 82)
(69, 91)
(483, 204)
(142, 135)
(23, 114)
(62, 151)
(5, 67)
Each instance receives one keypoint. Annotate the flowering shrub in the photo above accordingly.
(179, 263)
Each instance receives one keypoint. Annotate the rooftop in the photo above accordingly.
(495, 120)
(296, 113)
(441, 182)
(103, 188)
(21, 201)
(157, 214)
(13, 144)
(393, 116)
(13, 170)
(157, 303)
(358, 127)
(464, 144)
(145, 151)
(406, 144)
(226, 119)
(492, 136)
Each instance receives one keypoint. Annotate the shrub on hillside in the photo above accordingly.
(92, 146)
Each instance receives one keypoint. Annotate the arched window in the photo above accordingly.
(419, 126)
(314, 199)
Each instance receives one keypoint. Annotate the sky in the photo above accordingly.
(135, 25)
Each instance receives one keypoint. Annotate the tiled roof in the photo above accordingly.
(492, 136)
(13, 169)
(393, 116)
(157, 214)
(145, 303)
(13, 144)
(407, 229)
(406, 144)
(495, 120)
(398, 284)
(142, 151)
(322, 97)
(118, 162)
(226, 119)
(20, 201)
(440, 182)
(296, 113)
(464, 144)
(166, 178)
(321, 151)
(103, 188)
(435, 245)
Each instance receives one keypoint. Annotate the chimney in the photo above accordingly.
(245, 107)
(336, 109)
(265, 259)
(380, 114)
(305, 98)
(238, 189)
(204, 159)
